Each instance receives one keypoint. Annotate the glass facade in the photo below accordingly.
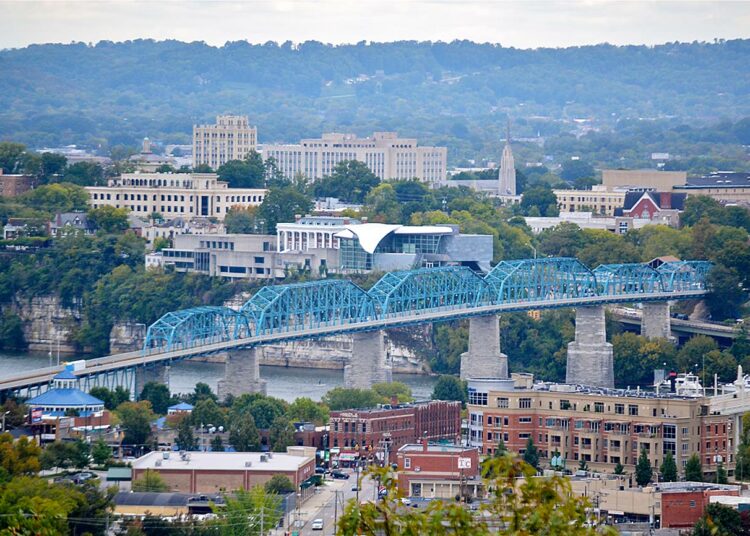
(353, 257)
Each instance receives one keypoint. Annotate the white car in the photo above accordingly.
(317, 524)
(406, 501)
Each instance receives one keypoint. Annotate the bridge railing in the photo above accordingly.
(337, 302)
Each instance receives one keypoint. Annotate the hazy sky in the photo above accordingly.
(517, 23)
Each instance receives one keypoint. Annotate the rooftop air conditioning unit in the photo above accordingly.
(263, 458)
(158, 463)
(248, 464)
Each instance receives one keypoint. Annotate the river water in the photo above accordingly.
(284, 383)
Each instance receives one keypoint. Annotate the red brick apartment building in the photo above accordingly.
(438, 471)
(363, 431)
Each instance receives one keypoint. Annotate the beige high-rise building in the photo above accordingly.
(388, 156)
(231, 138)
(599, 200)
(642, 179)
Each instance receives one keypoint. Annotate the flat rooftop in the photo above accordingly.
(434, 447)
(222, 461)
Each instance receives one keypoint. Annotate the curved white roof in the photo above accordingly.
(371, 234)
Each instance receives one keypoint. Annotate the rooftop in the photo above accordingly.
(434, 448)
(64, 397)
(224, 461)
(182, 406)
(720, 179)
(371, 234)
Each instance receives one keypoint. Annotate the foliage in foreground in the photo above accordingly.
(523, 503)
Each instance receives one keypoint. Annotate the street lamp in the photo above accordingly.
(3, 428)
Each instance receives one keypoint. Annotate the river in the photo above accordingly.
(285, 383)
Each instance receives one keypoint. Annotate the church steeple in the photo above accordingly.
(507, 175)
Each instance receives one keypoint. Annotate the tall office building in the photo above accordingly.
(388, 156)
(231, 138)
(507, 176)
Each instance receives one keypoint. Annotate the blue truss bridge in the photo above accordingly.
(279, 313)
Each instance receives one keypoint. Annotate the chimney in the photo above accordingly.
(424, 444)
(672, 381)
(665, 200)
(297, 217)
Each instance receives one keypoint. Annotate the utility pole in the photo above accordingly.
(261, 521)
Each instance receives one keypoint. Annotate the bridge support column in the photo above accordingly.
(241, 374)
(484, 358)
(368, 363)
(145, 374)
(590, 355)
(655, 322)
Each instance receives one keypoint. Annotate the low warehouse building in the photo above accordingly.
(211, 472)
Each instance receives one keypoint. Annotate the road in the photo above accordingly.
(326, 509)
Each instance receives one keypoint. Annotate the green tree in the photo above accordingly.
(101, 452)
(51, 167)
(202, 168)
(136, 419)
(19, 457)
(200, 392)
(350, 182)
(158, 394)
(668, 469)
(30, 505)
(265, 410)
(450, 388)
(340, 398)
(109, 219)
(543, 198)
(12, 157)
(150, 481)
(247, 173)
(161, 243)
(306, 410)
(111, 399)
(56, 454)
(694, 351)
(53, 198)
(279, 484)
(243, 220)
(11, 331)
(185, 438)
(643, 470)
(84, 174)
(719, 520)
(206, 412)
(573, 170)
(217, 444)
(726, 295)
(245, 512)
(281, 204)
(721, 474)
(619, 469)
(243, 434)
(280, 434)
(382, 204)
(399, 390)
(531, 454)
(694, 469)
(79, 453)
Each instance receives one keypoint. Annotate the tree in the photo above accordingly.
(541, 197)
(643, 470)
(265, 410)
(206, 412)
(582, 465)
(185, 438)
(51, 166)
(307, 410)
(719, 520)
(726, 296)
(694, 350)
(217, 444)
(531, 455)
(280, 434)
(79, 453)
(111, 399)
(619, 469)
(136, 419)
(520, 503)
(721, 474)
(158, 394)
(56, 454)
(243, 220)
(350, 182)
(279, 484)
(247, 173)
(12, 157)
(54, 198)
(150, 480)
(694, 469)
(19, 457)
(246, 512)
(200, 392)
(389, 390)
(101, 452)
(202, 168)
(668, 469)
(573, 170)
(243, 434)
(84, 174)
(340, 398)
(281, 204)
(450, 388)
(30, 505)
(161, 243)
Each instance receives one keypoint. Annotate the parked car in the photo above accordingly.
(320, 470)
(338, 475)
(80, 478)
(406, 501)
(317, 524)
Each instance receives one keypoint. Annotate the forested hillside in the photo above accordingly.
(455, 94)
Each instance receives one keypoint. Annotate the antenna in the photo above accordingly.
(507, 132)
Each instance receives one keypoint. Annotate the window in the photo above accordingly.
(524, 420)
(259, 260)
(524, 403)
(620, 409)
(598, 407)
(477, 399)
(632, 409)
(564, 404)
(669, 431)
(407, 463)
(502, 403)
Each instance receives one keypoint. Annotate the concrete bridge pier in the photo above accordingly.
(368, 364)
(655, 322)
(148, 373)
(484, 358)
(241, 374)
(590, 359)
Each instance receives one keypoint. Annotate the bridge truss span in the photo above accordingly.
(628, 278)
(684, 275)
(196, 326)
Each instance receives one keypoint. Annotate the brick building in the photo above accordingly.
(604, 427)
(681, 508)
(211, 472)
(438, 471)
(15, 185)
(363, 431)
